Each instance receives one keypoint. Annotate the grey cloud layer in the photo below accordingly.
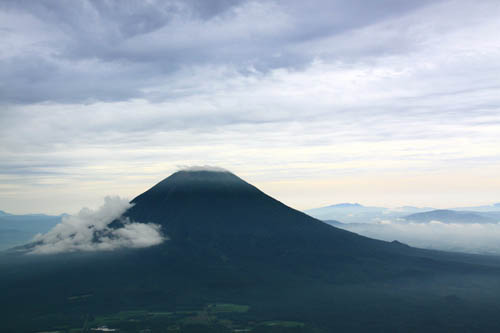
(113, 51)
(97, 93)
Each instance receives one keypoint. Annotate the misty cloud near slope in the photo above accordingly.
(471, 238)
(90, 230)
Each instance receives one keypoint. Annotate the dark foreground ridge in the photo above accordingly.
(229, 243)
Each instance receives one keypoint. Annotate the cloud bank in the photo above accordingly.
(471, 238)
(90, 230)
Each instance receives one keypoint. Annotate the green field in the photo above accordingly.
(214, 317)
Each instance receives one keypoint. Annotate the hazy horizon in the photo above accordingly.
(58, 210)
(295, 188)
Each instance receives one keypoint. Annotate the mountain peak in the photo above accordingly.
(201, 180)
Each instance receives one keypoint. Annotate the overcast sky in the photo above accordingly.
(316, 102)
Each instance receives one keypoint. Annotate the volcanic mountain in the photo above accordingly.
(229, 242)
(218, 211)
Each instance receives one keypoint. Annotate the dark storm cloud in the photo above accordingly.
(87, 51)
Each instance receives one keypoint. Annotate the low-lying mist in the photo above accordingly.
(470, 238)
(90, 230)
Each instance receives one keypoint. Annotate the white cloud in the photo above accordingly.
(202, 168)
(89, 230)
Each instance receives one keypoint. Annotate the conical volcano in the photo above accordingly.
(206, 199)
(218, 211)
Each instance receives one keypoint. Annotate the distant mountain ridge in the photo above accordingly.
(19, 229)
(357, 213)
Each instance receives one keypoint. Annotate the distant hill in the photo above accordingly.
(357, 213)
(450, 216)
(19, 229)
